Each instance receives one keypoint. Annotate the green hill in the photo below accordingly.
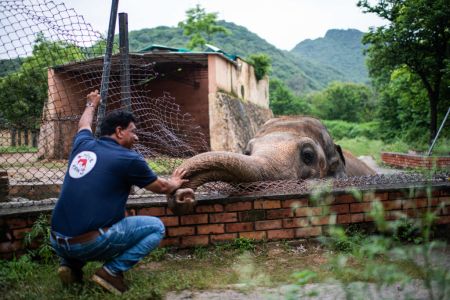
(340, 49)
(300, 73)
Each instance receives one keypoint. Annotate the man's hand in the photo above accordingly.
(168, 186)
(93, 99)
(177, 178)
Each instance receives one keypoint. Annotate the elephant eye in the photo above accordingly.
(308, 156)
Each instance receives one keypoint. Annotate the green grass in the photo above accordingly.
(364, 146)
(18, 149)
(242, 263)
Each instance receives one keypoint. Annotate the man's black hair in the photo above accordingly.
(115, 119)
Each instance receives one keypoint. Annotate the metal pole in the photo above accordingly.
(124, 61)
(439, 131)
(107, 65)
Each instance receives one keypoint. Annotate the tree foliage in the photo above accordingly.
(24, 92)
(349, 102)
(284, 102)
(261, 63)
(417, 38)
(200, 27)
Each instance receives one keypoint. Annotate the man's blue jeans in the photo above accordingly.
(121, 247)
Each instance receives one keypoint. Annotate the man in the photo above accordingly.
(88, 222)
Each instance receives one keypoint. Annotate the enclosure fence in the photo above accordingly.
(50, 59)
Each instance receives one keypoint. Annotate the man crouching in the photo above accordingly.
(88, 222)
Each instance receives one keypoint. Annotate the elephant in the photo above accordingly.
(284, 148)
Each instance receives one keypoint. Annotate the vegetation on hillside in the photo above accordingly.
(200, 27)
(340, 49)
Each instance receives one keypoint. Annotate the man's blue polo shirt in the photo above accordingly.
(97, 184)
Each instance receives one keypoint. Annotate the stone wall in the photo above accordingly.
(270, 217)
(233, 122)
(415, 161)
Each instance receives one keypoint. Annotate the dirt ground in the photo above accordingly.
(288, 257)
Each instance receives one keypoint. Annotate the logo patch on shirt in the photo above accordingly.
(82, 164)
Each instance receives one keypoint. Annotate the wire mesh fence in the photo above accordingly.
(50, 59)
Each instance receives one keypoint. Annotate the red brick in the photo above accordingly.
(357, 218)
(343, 219)
(217, 238)
(175, 241)
(252, 215)
(294, 203)
(346, 198)
(7, 247)
(211, 228)
(209, 208)
(360, 207)
(280, 234)
(179, 231)
(445, 200)
(223, 217)
(295, 222)
(414, 203)
(152, 211)
(170, 221)
(194, 219)
(267, 204)
(238, 227)
(389, 215)
(443, 220)
(391, 205)
(239, 206)
(16, 223)
(324, 220)
(308, 211)
(396, 195)
(130, 212)
(263, 225)
(279, 213)
(425, 194)
(253, 235)
(339, 208)
(189, 241)
(20, 233)
(308, 231)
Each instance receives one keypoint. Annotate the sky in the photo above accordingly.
(283, 23)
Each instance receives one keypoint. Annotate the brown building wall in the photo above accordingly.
(191, 94)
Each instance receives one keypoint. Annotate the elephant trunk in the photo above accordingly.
(217, 166)
(225, 166)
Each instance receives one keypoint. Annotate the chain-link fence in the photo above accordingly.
(50, 59)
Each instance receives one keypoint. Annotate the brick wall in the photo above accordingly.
(263, 218)
(415, 161)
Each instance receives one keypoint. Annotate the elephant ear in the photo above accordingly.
(337, 163)
(339, 150)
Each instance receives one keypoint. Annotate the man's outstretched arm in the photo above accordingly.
(93, 100)
(168, 186)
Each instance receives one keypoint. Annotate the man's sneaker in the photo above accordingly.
(70, 275)
(114, 284)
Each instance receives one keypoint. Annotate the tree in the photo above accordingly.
(344, 101)
(261, 62)
(284, 102)
(23, 93)
(200, 26)
(418, 38)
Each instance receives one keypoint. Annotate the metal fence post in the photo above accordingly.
(124, 62)
(107, 65)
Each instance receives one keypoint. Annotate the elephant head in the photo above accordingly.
(284, 148)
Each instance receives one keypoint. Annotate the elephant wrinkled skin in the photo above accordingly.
(284, 148)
